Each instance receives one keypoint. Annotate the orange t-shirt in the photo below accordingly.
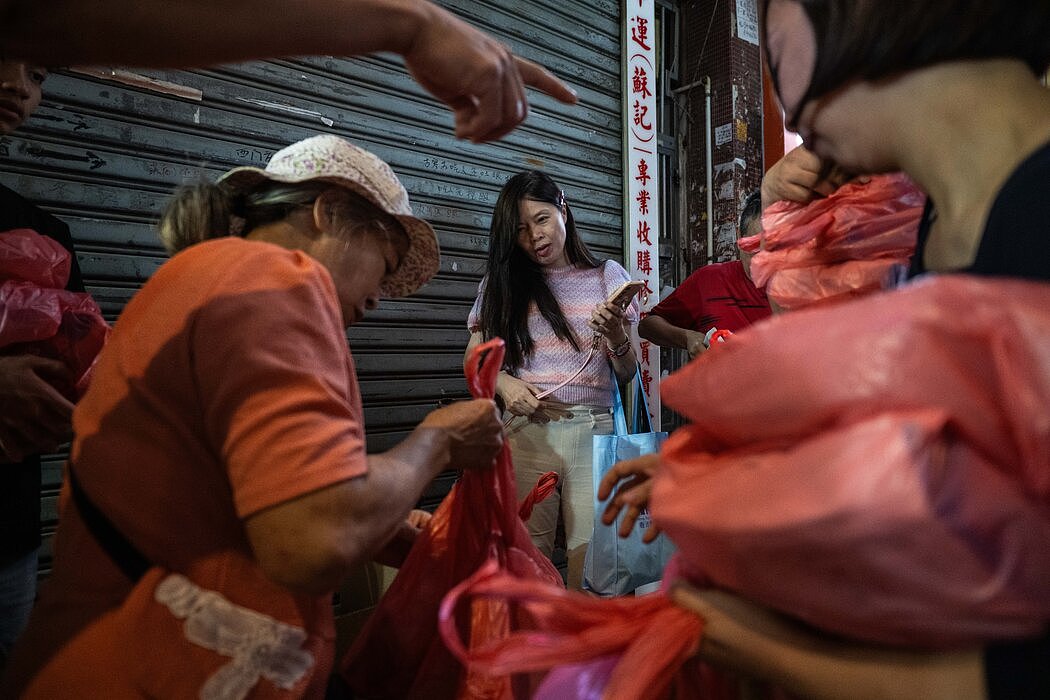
(227, 387)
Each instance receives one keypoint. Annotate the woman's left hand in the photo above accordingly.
(758, 642)
(608, 319)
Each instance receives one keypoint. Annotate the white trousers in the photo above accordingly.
(563, 447)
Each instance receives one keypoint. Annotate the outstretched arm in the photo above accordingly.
(309, 544)
(630, 485)
(657, 330)
(475, 75)
(758, 642)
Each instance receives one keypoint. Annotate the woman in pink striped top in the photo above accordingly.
(544, 294)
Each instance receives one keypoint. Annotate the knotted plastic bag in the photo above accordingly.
(879, 469)
(399, 653)
(39, 317)
(847, 244)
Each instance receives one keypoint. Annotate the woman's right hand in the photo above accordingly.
(518, 396)
(474, 430)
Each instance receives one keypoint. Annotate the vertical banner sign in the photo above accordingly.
(642, 219)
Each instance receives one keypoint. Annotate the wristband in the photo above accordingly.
(621, 349)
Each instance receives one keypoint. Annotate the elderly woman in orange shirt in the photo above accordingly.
(220, 485)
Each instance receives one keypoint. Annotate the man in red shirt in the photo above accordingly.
(720, 296)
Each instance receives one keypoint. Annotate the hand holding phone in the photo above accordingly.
(623, 294)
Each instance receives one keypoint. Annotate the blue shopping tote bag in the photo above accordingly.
(616, 565)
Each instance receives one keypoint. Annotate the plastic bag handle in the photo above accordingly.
(544, 487)
(619, 414)
(574, 628)
(483, 366)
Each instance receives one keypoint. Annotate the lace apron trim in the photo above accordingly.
(260, 646)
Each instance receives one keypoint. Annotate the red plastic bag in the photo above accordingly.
(80, 338)
(628, 648)
(39, 317)
(399, 653)
(880, 469)
(26, 256)
(812, 252)
(545, 486)
(793, 288)
(29, 312)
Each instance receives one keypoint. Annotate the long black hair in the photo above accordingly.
(514, 281)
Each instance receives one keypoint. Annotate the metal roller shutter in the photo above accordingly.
(103, 153)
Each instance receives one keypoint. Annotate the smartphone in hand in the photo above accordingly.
(625, 292)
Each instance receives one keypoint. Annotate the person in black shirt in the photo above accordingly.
(949, 93)
(34, 417)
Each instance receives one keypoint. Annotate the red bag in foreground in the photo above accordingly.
(399, 653)
(847, 244)
(627, 648)
(879, 469)
(26, 256)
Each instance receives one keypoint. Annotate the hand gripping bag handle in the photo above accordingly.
(483, 366)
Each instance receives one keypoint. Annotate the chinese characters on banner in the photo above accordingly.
(642, 234)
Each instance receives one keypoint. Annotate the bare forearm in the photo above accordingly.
(655, 329)
(203, 32)
(397, 548)
(310, 544)
(758, 642)
(624, 365)
(844, 671)
(377, 507)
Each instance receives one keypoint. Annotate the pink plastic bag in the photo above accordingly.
(880, 469)
(26, 256)
(813, 252)
(795, 287)
(399, 653)
(584, 680)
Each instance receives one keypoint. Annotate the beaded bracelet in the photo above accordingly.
(621, 349)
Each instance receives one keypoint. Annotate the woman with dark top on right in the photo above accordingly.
(949, 93)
